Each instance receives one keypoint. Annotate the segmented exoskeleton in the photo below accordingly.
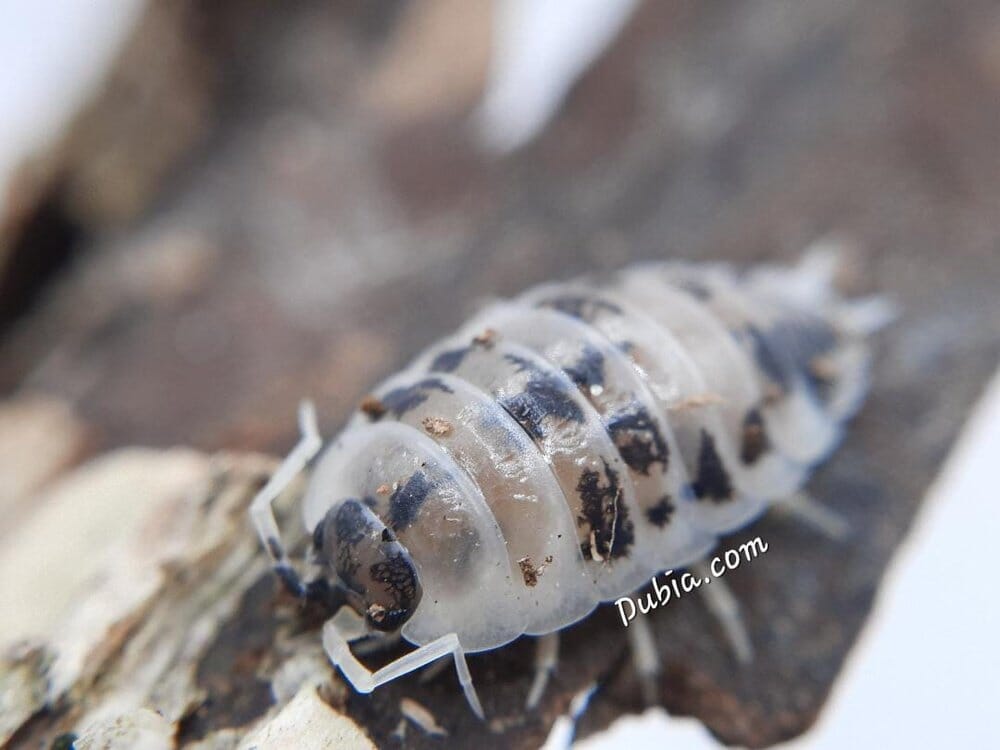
(564, 446)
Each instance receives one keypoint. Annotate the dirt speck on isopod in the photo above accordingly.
(530, 571)
(485, 339)
(437, 426)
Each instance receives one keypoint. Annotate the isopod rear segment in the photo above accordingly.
(562, 448)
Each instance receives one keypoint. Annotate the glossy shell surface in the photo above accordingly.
(566, 445)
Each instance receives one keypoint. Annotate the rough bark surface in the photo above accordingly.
(323, 236)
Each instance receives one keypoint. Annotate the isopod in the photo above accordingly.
(564, 446)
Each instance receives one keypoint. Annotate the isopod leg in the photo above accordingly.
(546, 658)
(806, 509)
(645, 658)
(726, 610)
(338, 632)
(261, 511)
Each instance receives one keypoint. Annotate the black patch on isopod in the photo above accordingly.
(399, 578)
(406, 502)
(791, 348)
(805, 337)
(351, 523)
(604, 514)
(712, 481)
(450, 360)
(695, 289)
(588, 370)
(805, 340)
(638, 439)
(544, 396)
(767, 359)
(351, 526)
(755, 441)
(580, 306)
(659, 514)
(369, 561)
(403, 399)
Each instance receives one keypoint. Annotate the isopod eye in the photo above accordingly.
(369, 561)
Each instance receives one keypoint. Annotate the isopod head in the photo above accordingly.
(364, 558)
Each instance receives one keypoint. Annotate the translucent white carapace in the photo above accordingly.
(565, 446)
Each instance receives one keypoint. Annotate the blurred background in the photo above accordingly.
(212, 210)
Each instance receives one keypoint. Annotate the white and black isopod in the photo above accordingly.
(562, 448)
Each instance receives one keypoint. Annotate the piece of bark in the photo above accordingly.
(57, 552)
(179, 615)
(141, 729)
(159, 573)
(305, 722)
(152, 643)
(23, 686)
(326, 245)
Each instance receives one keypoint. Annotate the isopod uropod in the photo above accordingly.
(564, 446)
